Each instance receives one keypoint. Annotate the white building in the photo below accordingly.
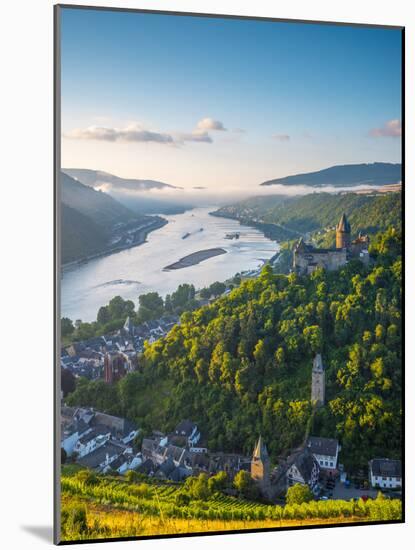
(385, 473)
(325, 451)
(303, 469)
(92, 440)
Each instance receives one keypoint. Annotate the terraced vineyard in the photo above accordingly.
(103, 506)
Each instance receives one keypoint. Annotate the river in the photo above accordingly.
(129, 273)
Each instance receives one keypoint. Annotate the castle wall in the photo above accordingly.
(305, 263)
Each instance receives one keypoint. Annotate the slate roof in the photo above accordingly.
(304, 462)
(120, 427)
(95, 432)
(343, 224)
(323, 446)
(260, 450)
(146, 467)
(186, 426)
(97, 457)
(167, 467)
(386, 467)
(305, 248)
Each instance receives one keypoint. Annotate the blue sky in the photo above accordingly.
(222, 101)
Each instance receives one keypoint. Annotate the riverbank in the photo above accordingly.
(139, 238)
(272, 231)
(195, 258)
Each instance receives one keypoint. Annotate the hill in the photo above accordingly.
(378, 173)
(80, 235)
(91, 219)
(241, 366)
(368, 213)
(97, 178)
(102, 209)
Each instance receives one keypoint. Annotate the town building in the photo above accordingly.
(326, 452)
(304, 469)
(385, 473)
(307, 258)
(189, 431)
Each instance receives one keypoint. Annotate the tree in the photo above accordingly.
(217, 482)
(205, 293)
(104, 315)
(68, 382)
(151, 306)
(67, 327)
(297, 494)
(63, 455)
(244, 484)
(217, 288)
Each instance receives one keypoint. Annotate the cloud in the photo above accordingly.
(132, 133)
(281, 137)
(197, 136)
(136, 133)
(391, 128)
(210, 124)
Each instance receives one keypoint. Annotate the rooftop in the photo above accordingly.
(386, 467)
(323, 446)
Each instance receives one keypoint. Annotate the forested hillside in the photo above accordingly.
(308, 213)
(80, 235)
(96, 205)
(242, 365)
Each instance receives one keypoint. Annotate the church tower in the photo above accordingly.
(318, 381)
(343, 232)
(260, 467)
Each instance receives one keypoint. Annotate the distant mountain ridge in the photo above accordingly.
(377, 173)
(88, 218)
(96, 178)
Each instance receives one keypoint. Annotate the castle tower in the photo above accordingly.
(343, 232)
(260, 467)
(318, 381)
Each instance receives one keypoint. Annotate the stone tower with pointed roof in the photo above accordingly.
(343, 233)
(261, 467)
(128, 326)
(318, 381)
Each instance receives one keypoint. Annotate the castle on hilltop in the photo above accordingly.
(307, 258)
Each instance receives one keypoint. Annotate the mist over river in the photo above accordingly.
(129, 273)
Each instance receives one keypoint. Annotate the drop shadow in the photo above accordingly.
(43, 532)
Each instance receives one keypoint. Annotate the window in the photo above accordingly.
(326, 463)
(331, 464)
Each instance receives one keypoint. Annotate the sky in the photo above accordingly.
(225, 103)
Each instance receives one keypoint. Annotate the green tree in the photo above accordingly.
(218, 482)
(67, 327)
(245, 485)
(217, 288)
(297, 494)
